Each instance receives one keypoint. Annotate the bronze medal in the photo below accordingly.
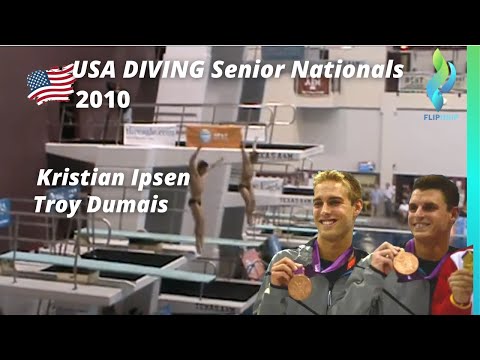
(300, 287)
(405, 263)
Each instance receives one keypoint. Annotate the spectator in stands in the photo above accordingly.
(125, 113)
(389, 195)
(376, 287)
(198, 172)
(326, 260)
(245, 187)
(375, 198)
(403, 211)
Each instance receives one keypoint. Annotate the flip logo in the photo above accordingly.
(434, 91)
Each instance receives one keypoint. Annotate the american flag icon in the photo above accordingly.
(51, 85)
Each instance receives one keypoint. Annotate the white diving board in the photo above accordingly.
(100, 265)
(171, 238)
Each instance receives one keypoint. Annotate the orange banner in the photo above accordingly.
(218, 136)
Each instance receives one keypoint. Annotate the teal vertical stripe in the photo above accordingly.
(473, 161)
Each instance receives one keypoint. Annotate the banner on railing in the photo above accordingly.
(312, 86)
(267, 185)
(63, 193)
(255, 133)
(5, 212)
(217, 136)
(416, 82)
(150, 134)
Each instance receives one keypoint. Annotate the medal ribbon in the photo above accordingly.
(419, 274)
(316, 266)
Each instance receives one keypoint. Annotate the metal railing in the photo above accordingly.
(182, 114)
(55, 243)
(416, 82)
(181, 111)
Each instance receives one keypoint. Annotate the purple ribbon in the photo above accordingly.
(300, 271)
(316, 267)
(410, 247)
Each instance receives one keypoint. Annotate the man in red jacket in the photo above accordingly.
(453, 293)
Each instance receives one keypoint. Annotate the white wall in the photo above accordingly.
(203, 90)
(364, 123)
(349, 136)
(354, 92)
(224, 90)
(184, 91)
(360, 92)
(398, 140)
(411, 145)
(173, 90)
(422, 60)
(427, 147)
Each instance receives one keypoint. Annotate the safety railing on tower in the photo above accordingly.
(24, 228)
(107, 126)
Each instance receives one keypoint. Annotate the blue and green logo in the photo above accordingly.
(434, 91)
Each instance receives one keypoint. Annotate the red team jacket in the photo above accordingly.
(442, 303)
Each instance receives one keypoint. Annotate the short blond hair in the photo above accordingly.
(349, 181)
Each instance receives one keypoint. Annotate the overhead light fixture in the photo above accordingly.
(347, 47)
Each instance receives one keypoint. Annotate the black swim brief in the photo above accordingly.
(193, 201)
(240, 186)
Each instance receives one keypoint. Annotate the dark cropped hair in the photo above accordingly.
(441, 183)
(253, 157)
(202, 164)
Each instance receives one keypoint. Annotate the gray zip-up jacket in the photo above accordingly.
(274, 300)
(370, 292)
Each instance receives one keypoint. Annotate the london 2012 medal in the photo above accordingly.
(405, 263)
(300, 287)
